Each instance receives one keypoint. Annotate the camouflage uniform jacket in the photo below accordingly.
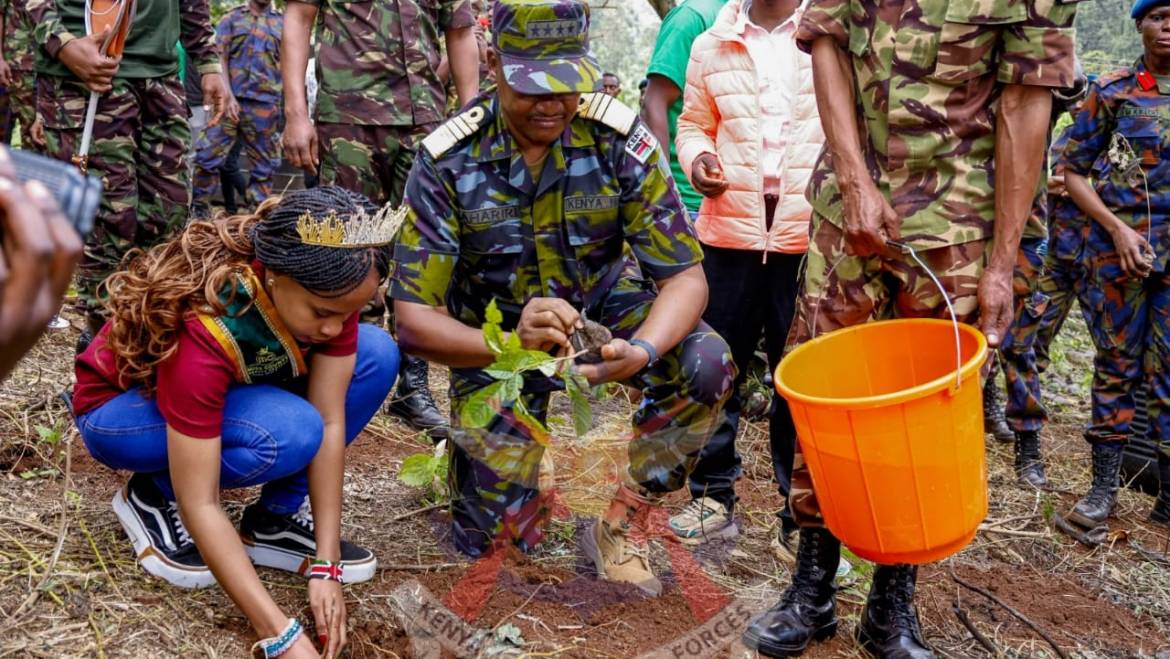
(18, 35)
(1067, 224)
(251, 46)
(480, 228)
(928, 74)
(377, 60)
(150, 46)
(1121, 138)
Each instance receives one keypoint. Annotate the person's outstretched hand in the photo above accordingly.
(38, 252)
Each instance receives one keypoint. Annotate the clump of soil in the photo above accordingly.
(590, 338)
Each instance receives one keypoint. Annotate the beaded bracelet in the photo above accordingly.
(278, 645)
(323, 569)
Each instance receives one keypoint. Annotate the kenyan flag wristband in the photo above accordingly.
(322, 569)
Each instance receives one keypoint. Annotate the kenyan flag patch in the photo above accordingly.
(641, 144)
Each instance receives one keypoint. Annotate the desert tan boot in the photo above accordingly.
(616, 553)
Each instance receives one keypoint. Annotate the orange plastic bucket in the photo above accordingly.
(892, 435)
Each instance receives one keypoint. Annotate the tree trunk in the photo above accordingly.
(661, 6)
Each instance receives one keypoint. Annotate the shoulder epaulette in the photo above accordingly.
(1114, 76)
(608, 110)
(451, 132)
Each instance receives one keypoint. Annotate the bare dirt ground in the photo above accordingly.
(69, 586)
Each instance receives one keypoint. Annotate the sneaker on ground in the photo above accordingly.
(287, 542)
(701, 520)
(161, 542)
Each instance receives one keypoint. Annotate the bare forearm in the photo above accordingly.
(1021, 140)
(676, 311)
(463, 58)
(661, 93)
(833, 80)
(326, 475)
(220, 546)
(294, 57)
(432, 334)
(1087, 199)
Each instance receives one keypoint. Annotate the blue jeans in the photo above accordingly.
(270, 434)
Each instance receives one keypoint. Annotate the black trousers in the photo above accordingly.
(748, 297)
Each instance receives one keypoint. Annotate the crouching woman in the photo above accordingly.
(232, 358)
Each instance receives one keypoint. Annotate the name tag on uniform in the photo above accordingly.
(587, 204)
(491, 215)
(1160, 112)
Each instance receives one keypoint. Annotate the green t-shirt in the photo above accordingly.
(672, 53)
(150, 46)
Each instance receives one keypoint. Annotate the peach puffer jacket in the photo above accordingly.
(721, 115)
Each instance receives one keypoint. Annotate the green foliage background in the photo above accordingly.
(1106, 36)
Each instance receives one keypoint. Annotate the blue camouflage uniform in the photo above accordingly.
(1121, 140)
(251, 45)
(595, 227)
(1058, 282)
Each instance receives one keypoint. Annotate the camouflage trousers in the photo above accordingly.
(494, 476)
(1045, 287)
(375, 161)
(258, 131)
(19, 107)
(840, 290)
(139, 148)
(1131, 330)
(372, 160)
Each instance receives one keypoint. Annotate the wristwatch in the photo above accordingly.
(645, 345)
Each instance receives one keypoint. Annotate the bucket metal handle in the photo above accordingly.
(912, 253)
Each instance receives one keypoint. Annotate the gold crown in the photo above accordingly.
(358, 230)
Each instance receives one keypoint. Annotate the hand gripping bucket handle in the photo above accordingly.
(912, 253)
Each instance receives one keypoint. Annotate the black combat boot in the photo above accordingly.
(233, 184)
(412, 401)
(1029, 464)
(994, 420)
(1161, 511)
(889, 627)
(1096, 506)
(808, 609)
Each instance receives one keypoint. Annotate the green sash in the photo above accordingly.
(252, 334)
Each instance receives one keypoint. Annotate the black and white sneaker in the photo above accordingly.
(161, 542)
(287, 542)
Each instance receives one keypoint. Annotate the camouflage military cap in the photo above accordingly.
(544, 46)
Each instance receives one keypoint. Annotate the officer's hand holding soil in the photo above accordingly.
(546, 323)
(707, 175)
(620, 361)
(83, 56)
(38, 251)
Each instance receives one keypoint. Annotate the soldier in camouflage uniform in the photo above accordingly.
(249, 44)
(1120, 138)
(20, 58)
(1044, 297)
(140, 136)
(557, 204)
(379, 94)
(910, 159)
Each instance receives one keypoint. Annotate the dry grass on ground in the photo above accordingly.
(69, 586)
